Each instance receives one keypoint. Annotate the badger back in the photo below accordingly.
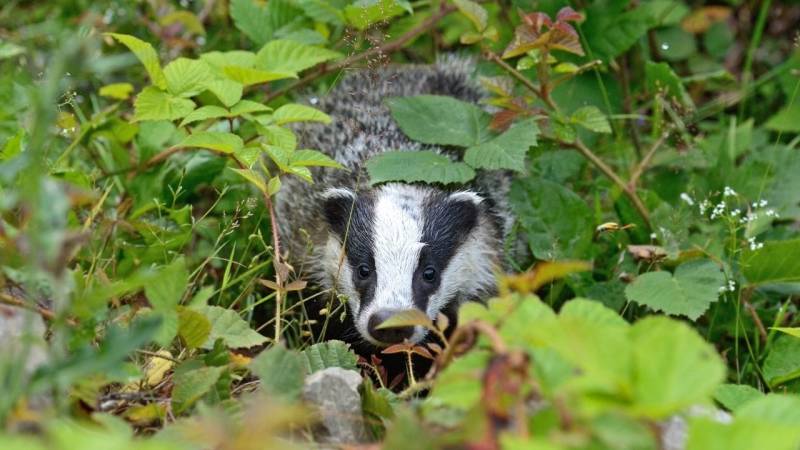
(361, 127)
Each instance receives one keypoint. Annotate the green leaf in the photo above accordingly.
(329, 354)
(425, 166)
(251, 18)
(435, 119)
(293, 112)
(166, 289)
(688, 292)
(674, 368)
(187, 77)
(770, 422)
(274, 185)
(612, 30)
(191, 385)
(783, 361)
(556, 220)
(287, 56)
(204, 113)
(193, 327)
(733, 396)
(474, 12)
(791, 331)
(363, 13)
(786, 120)
(147, 56)
(213, 140)
(278, 136)
(154, 104)
(281, 372)
(249, 76)
(661, 78)
(313, 158)
(322, 11)
(407, 318)
(228, 92)
(506, 151)
(592, 119)
(279, 155)
(776, 262)
(248, 107)
(117, 91)
(249, 155)
(253, 177)
(228, 326)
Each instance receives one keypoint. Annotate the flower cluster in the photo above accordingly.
(751, 241)
(730, 287)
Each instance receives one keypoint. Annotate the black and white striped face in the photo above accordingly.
(407, 247)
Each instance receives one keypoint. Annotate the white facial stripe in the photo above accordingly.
(398, 222)
(337, 269)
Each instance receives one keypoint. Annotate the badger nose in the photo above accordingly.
(387, 335)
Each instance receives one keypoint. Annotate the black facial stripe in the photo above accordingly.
(447, 225)
(356, 232)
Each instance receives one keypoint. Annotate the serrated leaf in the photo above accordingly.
(213, 140)
(204, 113)
(248, 155)
(363, 13)
(688, 292)
(274, 185)
(154, 104)
(733, 396)
(279, 136)
(506, 151)
(322, 11)
(187, 77)
(191, 385)
(280, 156)
(228, 92)
(281, 372)
(228, 326)
(783, 361)
(219, 60)
(147, 56)
(776, 262)
(253, 177)
(293, 112)
(193, 327)
(300, 171)
(313, 158)
(285, 56)
(592, 119)
(674, 367)
(117, 91)
(329, 354)
(248, 107)
(474, 12)
(555, 218)
(435, 119)
(165, 290)
(251, 18)
(249, 76)
(425, 166)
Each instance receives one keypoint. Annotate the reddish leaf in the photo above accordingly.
(503, 119)
(567, 14)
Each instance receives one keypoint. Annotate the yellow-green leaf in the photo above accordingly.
(118, 91)
(154, 104)
(146, 54)
(293, 112)
(213, 140)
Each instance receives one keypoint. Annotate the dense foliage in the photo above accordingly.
(654, 147)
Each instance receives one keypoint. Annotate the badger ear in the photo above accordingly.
(337, 205)
(466, 196)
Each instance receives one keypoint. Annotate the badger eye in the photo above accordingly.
(363, 271)
(429, 274)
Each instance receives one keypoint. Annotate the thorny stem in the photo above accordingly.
(389, 47)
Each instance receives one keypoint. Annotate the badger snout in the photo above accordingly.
(392, 335)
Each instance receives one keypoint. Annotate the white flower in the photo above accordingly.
(704, 205)
(753, 244)
(718, 210)
(771, 213)
(728, 192)
(653, 236)
(686, 198)
(736, 212)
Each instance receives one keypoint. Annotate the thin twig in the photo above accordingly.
(609, 172)
(495, 58)
(389, 47)
(642, 166)
(46, 313)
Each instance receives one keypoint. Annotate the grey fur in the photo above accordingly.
(363, 126)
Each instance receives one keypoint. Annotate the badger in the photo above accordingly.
(394, 246)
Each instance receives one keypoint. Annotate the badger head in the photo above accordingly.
(399, 247)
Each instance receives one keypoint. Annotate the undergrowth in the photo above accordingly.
(654, 147)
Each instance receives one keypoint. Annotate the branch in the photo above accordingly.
(642, 166)
(629, 191)
(494, 57)
(389, 47)
(46, 314)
